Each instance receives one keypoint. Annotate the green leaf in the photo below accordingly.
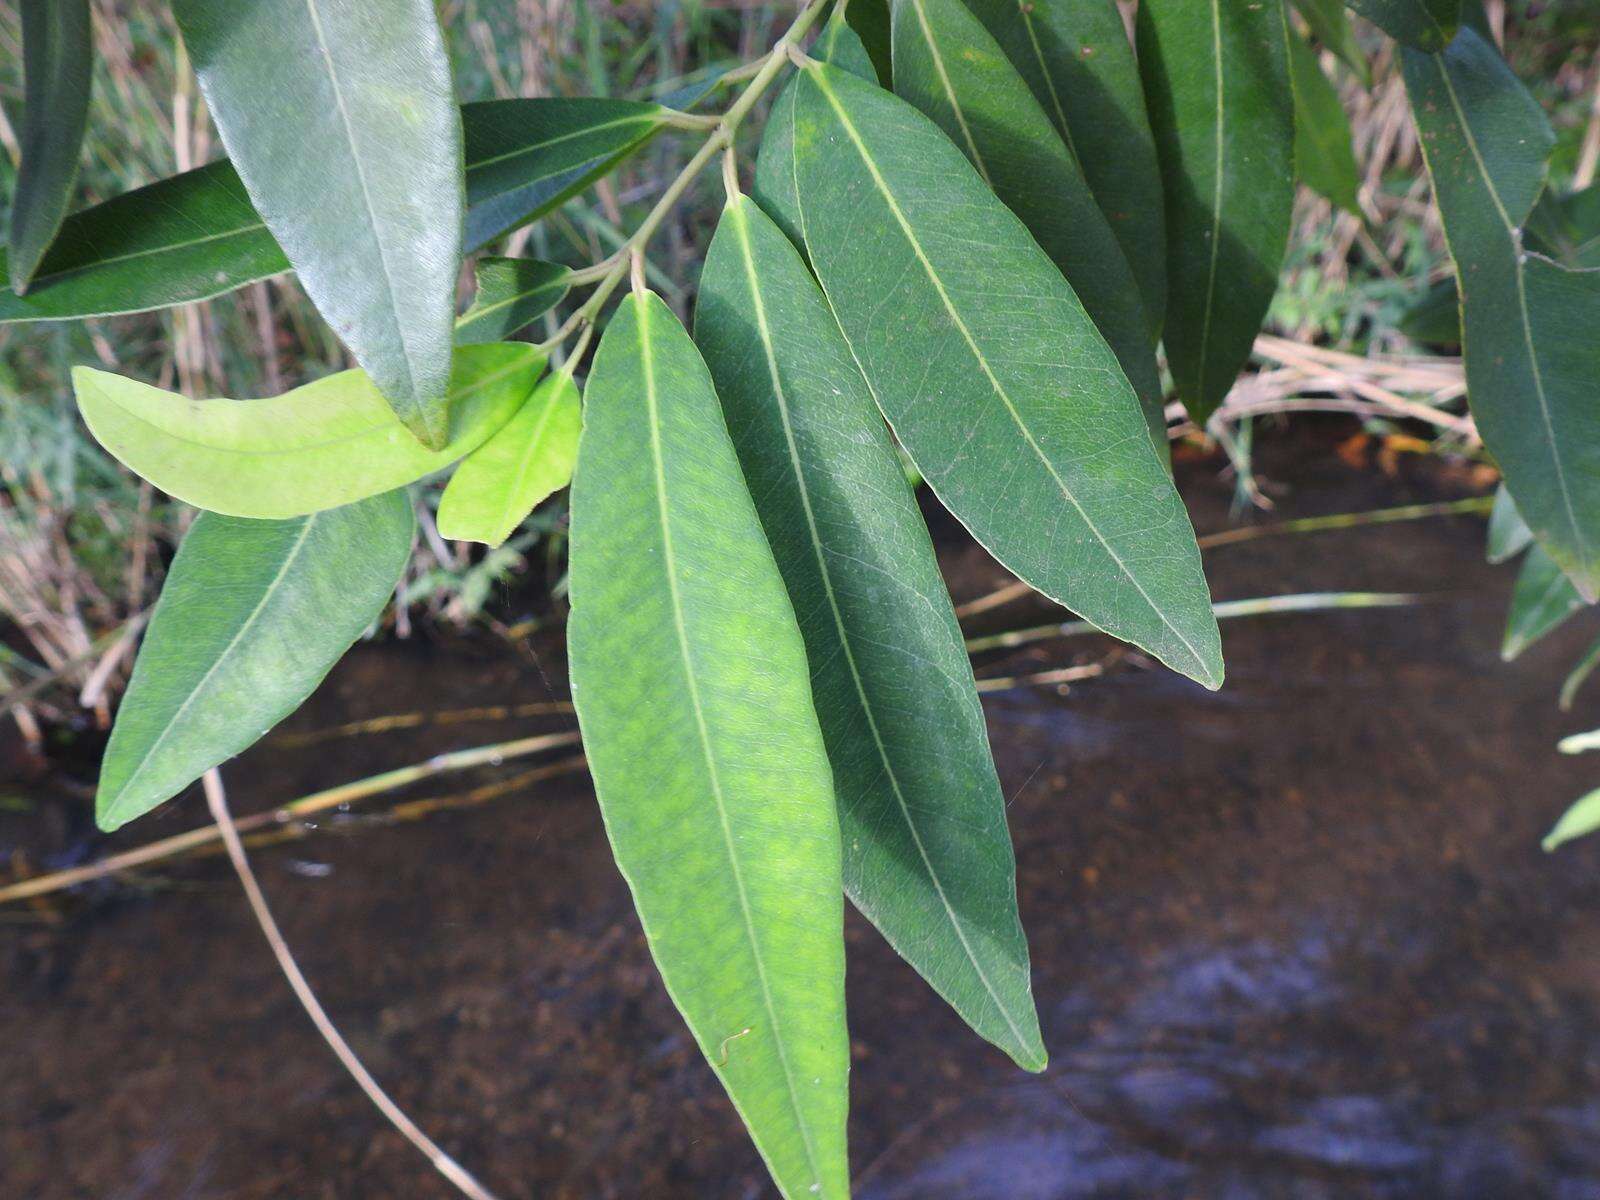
(870, 20)
(1217, 82)
(1324, 157)
(1330, 25)
(1423, 24)
(1077, 59)
(1527, 322)
(57, 59)
(1434, 318)
(1542, 599)
(512, 293)
(1508, 535)
(999, 386)
(1579, 674)
(252, 616)
(503, 480)
(841, 45)
(947, 65)
(319, 446)
(689, 676)
(927, 856)
(1582, 818)
(1567, 227)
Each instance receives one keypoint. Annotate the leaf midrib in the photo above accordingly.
(650, 122)
(530, 452)
(1216, 199)
(956, 109)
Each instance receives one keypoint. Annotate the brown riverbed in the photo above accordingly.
(1294, 939)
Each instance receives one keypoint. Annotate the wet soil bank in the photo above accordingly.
(1294, 939)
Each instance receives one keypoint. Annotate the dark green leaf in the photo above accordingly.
(1330, 25)
(1076, 57)
(512, 293)
(1508, 535)
(1527, 322)
(690, 679)
(1435, 317)
(1324, 157)
(1567, 227)
(340, 117)
(1542, 599)
(841, 45)
(252, 617)
(947, 65)
(57, 60)
(999, 386)
(1217, 80)
(1423, 24)
(927, 856)
(870, 20)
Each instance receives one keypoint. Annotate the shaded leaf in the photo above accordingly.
(689, 676)
(1217, 81)
(503, 480)
(841, 45)
(1434, 318)
(1567, 227)
(1324, 157)
(1582, 818)
(995, 380)
(1330, 25)
(1542, 599)
(1424, 24)
(870, 20)
(252, 616)
(1579, 674)
(57, 61)
(927, 856)
(1077, 60)
(1508, 535)
(512, 293)
(319, 446)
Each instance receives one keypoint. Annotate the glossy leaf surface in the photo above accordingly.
(1542, 599)
(512, 293)
(947, 65)
(57, 61)
(927, 856)
(1425, 24)
(995, 380)
(1076, 58)
(340, 117)
(1221, 102)
(252, 616)
(503, 480)
(690, 679)
(319, 446)
(1324, 157)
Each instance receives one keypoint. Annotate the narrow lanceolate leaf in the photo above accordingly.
(503, 480)
(1581, 819)
(1424, 24)
(947, 65)
(1527, 322)
(1330, 25)
(195, 235)
(512, 293)
(340, 118)
(1076, 57)
(1581, 670)
(1509, 535)
(1542, 599)
(998, 384)
(927, 856)
(252, 616)
(1324, 157)
(57, 60)
(1217, 80)
(690, 679)
(319, 446)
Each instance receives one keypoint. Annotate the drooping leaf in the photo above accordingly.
(252, 616)
(1330, 25)
(947, 65)
(1582, 818)
(57, 60)
(1423, 24)
(1542, 599)
(193, 236)
(689, 676)
(1509, 536)
(316, 447)
(1578, 676)
(1217, 82)
(512, 293)
(340, 117)
(927, 856)
(1077, 59)
(503, 480)
(1527, 322)
(1324, 156)
(1000, 388)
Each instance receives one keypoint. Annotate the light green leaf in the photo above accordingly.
(1424, 24)
(252, 616)
(1324, 157)
(503, 480)
(1527, 322)
(1582, 818)
(319, 446)
(1542, 599)
(999, 386)
(57, 60)
(1217, 82)
(1076, 57)
(1509, 536)
(512, 293)
(340, 117)
(927, 856)
(1579, 674)
(1330, 25)
(689, 676)
(947, 65)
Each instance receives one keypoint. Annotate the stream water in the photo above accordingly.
(1293, 939)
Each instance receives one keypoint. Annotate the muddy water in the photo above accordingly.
(1295, 939)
